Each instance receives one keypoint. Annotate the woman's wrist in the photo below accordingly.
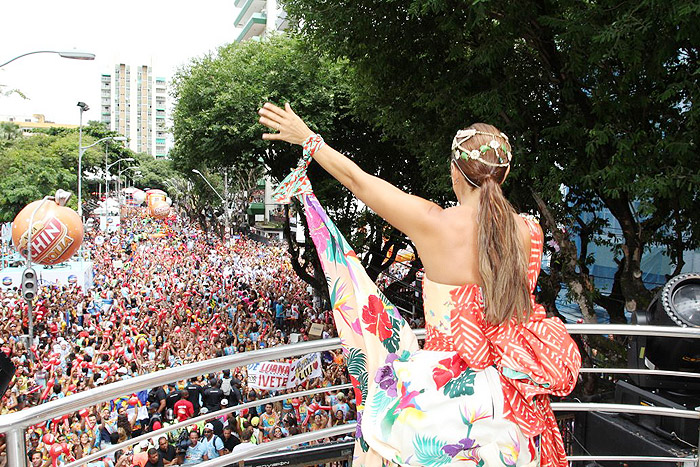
(312, 144)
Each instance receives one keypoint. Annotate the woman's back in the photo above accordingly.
(452, 256)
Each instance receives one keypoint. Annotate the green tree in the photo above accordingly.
(9, 131)
(154, 172)
(598, 97)
(36, 166)
(215, 127)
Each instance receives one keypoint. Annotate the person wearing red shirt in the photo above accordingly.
(183, 408)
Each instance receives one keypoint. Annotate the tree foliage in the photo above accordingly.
(215, 127)
(600, 97)
(154, 173)
(36, 166)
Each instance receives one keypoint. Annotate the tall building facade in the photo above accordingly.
(257, 18)
(149, 99)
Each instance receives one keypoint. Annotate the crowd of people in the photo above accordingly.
(165, 294)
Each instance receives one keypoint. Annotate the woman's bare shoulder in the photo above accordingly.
(524, 228)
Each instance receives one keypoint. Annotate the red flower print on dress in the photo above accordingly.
(376, 318)
(449, 368)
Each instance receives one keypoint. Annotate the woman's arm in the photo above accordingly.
(414, 216)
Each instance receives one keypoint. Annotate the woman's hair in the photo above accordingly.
(502, 261)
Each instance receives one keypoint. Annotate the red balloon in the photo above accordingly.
(133, 400)
(47, 391)
(56, 450)
(48, 439)
(57, 232)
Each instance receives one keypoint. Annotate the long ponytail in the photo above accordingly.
(502, 262)
(483, 154)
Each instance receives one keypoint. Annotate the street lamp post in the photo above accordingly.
(225, 203)
(81, 150)
(131, 159)
(119, 177)
(83, 108)
(72, 55)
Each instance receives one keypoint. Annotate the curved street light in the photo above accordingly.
(107, 166)
(210, 186)
(81, 151)
(71, 55)
(130, 159)
(119, 177)
(223, 201)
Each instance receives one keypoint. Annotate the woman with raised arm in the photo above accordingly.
(478, 394)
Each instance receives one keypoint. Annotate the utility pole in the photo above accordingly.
(227, 212)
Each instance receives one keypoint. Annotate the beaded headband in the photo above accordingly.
(460, 153)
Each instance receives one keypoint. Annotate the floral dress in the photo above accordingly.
(476, 395)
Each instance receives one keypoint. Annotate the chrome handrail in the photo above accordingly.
(623, 408)
(633, 330)
(276, 445)
(14, 424)
(676, 460)
(74, 402)
(190, 421)
(640, 371)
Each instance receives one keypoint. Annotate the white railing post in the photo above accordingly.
(16, 448)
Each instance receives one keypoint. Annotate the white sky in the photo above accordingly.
(164, 34)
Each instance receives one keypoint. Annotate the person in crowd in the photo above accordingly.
(141, 457)
(246, 443)
(155, 420)
(268, 420)
(183, 408)
(154, 459)
(213, 443)
(166, 451)
(157, 396)
(212, 395)
(196, 451)
(230, 439)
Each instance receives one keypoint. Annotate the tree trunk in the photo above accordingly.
(317, 281)
(614, 302)
(635, 294)
(549, 288)
(579, 284)
(378, 251)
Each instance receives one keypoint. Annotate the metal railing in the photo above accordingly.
(15, 424)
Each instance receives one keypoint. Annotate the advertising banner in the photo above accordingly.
(280, 375)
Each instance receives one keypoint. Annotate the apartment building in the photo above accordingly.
(134, 105)
(257, 18)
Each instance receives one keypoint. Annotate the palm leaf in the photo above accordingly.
(461, 385)
(429, 451)
(357, 362)
(379, 403)
(391, 343)
(363, 385)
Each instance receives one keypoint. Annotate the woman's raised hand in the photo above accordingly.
(289, 126)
